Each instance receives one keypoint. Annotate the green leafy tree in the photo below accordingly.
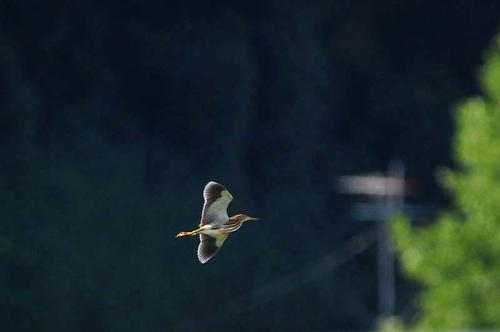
(457, 259)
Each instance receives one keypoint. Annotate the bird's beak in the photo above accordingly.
(252, 218)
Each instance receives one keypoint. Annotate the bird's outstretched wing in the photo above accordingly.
(209, 246)
(217, 199)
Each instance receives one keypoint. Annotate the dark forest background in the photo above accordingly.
(115, 114)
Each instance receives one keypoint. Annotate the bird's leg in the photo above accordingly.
(192, 233)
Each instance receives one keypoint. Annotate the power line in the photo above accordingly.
(283, 285)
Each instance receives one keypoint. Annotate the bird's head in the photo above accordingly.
(243, 217)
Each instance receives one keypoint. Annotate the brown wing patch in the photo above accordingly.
(209, 246)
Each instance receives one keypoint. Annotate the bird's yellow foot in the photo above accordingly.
(182, 234)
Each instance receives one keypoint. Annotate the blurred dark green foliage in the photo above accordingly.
(114, 115)
(456, 259)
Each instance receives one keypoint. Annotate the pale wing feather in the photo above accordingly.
(209, 246)
(217, 199)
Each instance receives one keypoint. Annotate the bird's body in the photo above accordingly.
(215, 224)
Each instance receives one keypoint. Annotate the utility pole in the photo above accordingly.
(394, 200)
(387, 194)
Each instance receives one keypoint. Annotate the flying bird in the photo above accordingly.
(215, 224)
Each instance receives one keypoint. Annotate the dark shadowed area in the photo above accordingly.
(115, 114)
